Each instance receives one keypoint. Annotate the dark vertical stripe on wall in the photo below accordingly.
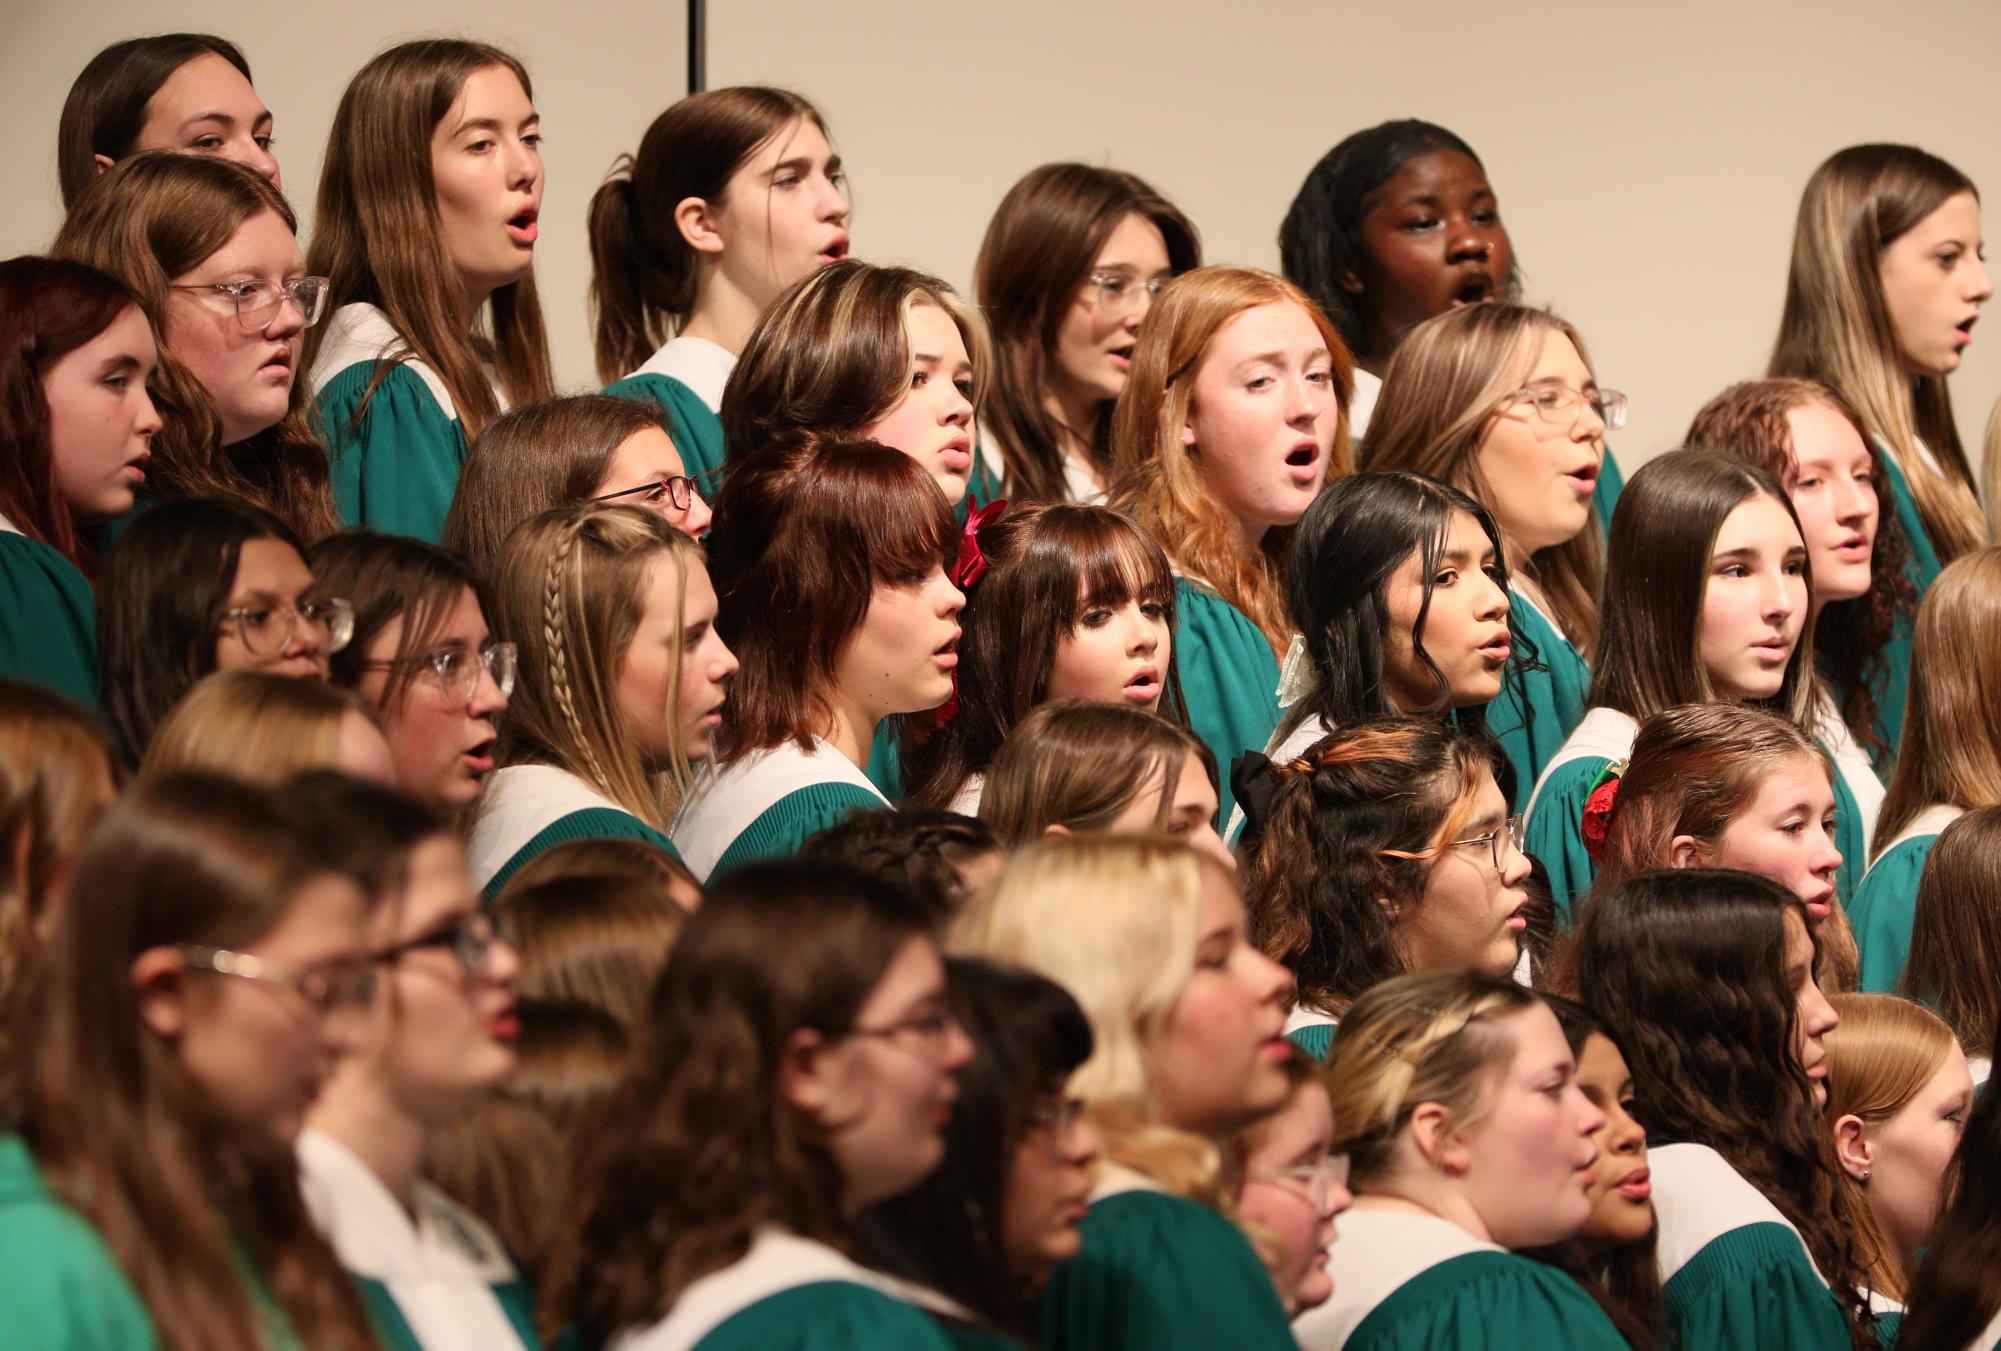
(698, 40)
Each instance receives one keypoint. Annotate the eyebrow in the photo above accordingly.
(493, 124)
(1278, 358)
(226, 119)
(124, 361)
(804, 164)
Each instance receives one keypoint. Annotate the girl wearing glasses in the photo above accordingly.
(202, 584)
(425, 230)
(623, 678)
(1400, 587)
(824, 359)
(830, 559)
(210, 249)
(734, 195)
(1383, 849)
(1070, 265)
(1234, 421)
(811, 1005)
(1731, 785)
(1812, 440)
(438, 1038)
(1077, 602)
(78, 419)
(1954, 760)
(1187, 1050)
(423, 659)
(1468, 1137)
(1293, 1188)
(1706, 980)
(1706, 598)
(188, 92)
(208, 966)
(1002, 1210)
(586, 448)
(1499, 401)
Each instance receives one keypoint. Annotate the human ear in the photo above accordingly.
(1851, 1147)
(802, 1073)
(1053, 829)
(1349, 280)
(157, 974)
(1431, 1131)
(696, 220)
(103, 162)
(1684, 851)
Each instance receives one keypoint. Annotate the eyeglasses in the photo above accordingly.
(266, 630)
(257, 302)
(676, 489)
(326, 989)
(1117, 294)
(1057, 1118)
(457, 669)
(927, 1034)
(1316, 1182)
(1511, 829)
(1559, 405)
(470, 940)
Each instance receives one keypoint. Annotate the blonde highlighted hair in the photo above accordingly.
(1158, 480)
(255, 726)
(1441, 391)
(1433, 1036)
(1881, 1056)
(1951, 751)
(570, 595)
(1115, 920)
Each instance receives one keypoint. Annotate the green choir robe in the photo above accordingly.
(1537, 708)
(48, 618)
(1886, 903)
(527, 809)
(686, 378)
(1229, 678)
(766, 804)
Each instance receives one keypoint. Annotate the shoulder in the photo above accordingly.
(1487, 1301)
(529, 808)
(358, 338)
(60, 1287)
(1700, 1200)
(766, 804)
(696, 364)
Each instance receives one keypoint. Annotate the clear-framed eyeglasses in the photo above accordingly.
(1560, 405)
(266, 630)
(469, 940)
(257, 302)
(1057, 1119)
(1315, 1182)
(675, 490)
(457, 669)
(1117, 294)
(1511, 830)
(327, 989)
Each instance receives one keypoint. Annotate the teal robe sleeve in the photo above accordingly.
(826, 1316)
(983, 485)
(1848, 839)
(1316, 1040)
(1487, 1301)
(1161, 1273)
(1884, 908)
(694, 426)
(395, 1332)
(396, 468)
(1229, 679)
(1555, 833)
(48, 620)
(1753, 1289)
(1891, 683)
(885, 756)
(787, 823)
(1537, 709)
(592, 823)
(60, 1290)
(1605, 497)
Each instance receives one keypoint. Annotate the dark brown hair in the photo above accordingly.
(1748, 422)
(106, 107)
(1955, 960)
(643, 272)
(1048, 564)
(805, 530)
(1037, 253)
(387, 578)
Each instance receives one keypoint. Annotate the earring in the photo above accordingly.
(1865, 1175)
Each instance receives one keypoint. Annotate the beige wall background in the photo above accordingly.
(1648, 159)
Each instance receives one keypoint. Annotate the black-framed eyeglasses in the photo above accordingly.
(326, 989)
(470, 939)
(926, 1034)
(1511, 830)
(1057, 1118)
(257, 302)
(266, 630)
(457, 669)
(676, 490)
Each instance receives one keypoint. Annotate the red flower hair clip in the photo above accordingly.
(1598, 810)
(966, 571)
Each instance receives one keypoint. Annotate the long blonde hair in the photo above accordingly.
(1158, 482)
(255, 726)
(570, 594)
(1885, 1051)
(376, 233)
(1440, 391)
(1115, 920)
(1836, 327)
(1951, 750)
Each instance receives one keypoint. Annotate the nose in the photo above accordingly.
(695, 520)
(287, 319)
(1209, 842)
(1081, 1149)
(1983, 284)
(958, 1048)
(263, 161)
(148, 421)
(1275, 983)
(834, 205)
(957, 409)
(1470, 243)
(725, 664)
(1627, 1137)
(1854, 502)
(307, 638)
(502, 964)
(1306, 404)
(1827, 859)
(951, 600)
(524, 165)
(487, 700)
(1142, 637)
(1593, 1120)
(1493, 604)
(1516, 868)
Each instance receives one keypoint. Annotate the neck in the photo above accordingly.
(723, 314)
(1250, 536)
(1075, 413)
(473, 299)
(357, 1109)
(852, 731)
(1428, 1198)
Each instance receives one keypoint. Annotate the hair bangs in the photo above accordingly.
(905, 531)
